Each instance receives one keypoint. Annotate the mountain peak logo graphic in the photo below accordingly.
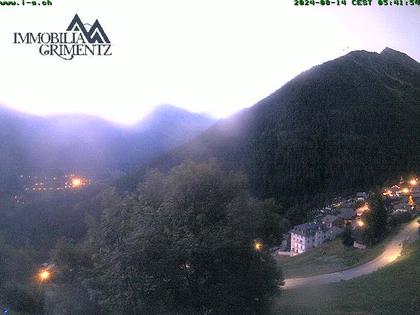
(94, 34)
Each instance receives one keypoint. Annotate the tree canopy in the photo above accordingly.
(192, 241)
(376, 219)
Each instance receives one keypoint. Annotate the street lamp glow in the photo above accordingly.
(76, 182)
(405, 190)
(258, 246)
(44, 275)
(360, 223)
(413, 182)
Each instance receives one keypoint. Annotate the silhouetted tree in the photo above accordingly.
(376, 219)
(346, 238)
(192, 242)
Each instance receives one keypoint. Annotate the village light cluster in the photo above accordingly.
(54, 183)
(329, 222)
(77, 182)
(398, 190)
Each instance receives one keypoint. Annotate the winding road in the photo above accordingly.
(409, 233)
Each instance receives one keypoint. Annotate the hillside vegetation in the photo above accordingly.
(393, 290)
(345, 125)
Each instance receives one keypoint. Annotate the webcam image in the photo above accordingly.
(184, 157)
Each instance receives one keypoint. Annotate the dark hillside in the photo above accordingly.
(344, 125)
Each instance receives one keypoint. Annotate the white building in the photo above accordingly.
(306, 236)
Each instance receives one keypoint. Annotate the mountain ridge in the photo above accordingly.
(33, 144)
(334, 127)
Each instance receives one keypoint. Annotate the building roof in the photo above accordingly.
(347, 213)
(400, 206)
(337, 230)
(329, 219)
(395, 189)
(307, 229)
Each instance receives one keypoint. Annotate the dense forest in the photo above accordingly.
(192, 241)
(341, 126)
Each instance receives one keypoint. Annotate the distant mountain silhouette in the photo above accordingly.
(345, 125)
(64, 143)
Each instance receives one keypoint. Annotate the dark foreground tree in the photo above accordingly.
(347, 238)
(376, 220)
(189, 242)
(66, 294)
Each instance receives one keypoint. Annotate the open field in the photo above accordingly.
(392, 290)
(329, 257)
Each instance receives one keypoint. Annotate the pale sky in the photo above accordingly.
(213, 56)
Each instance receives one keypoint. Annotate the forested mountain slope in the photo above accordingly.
(347, 124)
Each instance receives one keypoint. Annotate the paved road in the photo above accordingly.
(392, 251)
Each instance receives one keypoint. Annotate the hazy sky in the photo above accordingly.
(214, 56)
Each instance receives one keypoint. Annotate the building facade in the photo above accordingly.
(306, 236)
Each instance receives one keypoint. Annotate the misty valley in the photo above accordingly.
(186, 214)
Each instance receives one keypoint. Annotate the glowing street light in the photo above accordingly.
(411, 201)
(413, 182)
(405, 190)
(76, 182)
(258, 246)
(360, 223)
(44, 275)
